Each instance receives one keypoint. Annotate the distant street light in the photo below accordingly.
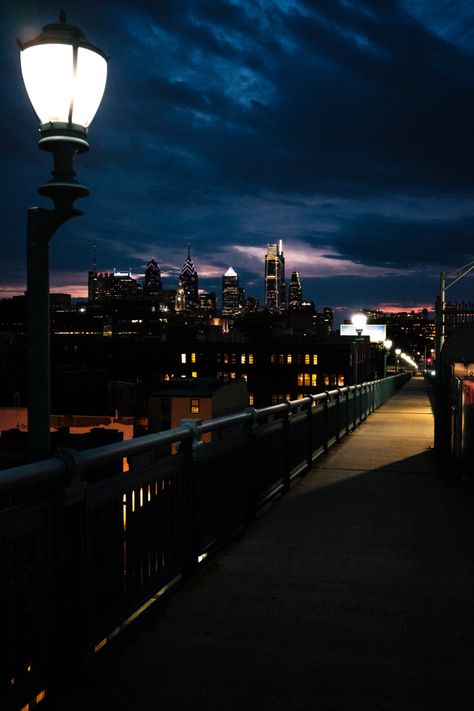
(398, 352)
(358, 320)
(65, 78)
(387, 344)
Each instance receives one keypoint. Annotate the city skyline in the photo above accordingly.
(343, 129)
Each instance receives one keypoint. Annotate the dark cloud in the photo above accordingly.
(342, 125)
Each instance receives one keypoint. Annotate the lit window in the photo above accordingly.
(244, 376)
(306, 359)
(194, 407)
(273, 359)
(340, 381)
(314, 379)
(281, 358)
(250, 358)
(183, 357)
(233, 358)
(194, 374)
(325, 379)
(243, 359)
(251, 400)
(226, 358)
(193, 357)
(315, 359)
(232, 376)
(307, 379)
(299, 396)
(333, 379)
(300, 380)
(289, 358)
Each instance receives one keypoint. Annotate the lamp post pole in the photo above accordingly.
(440, 312)
(64, 76)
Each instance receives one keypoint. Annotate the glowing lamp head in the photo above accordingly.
(359, 321)
(64, 76)
(387, 344)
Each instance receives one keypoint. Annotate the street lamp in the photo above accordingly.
(64, 76)
(398, 352)
(440, 315)
(359, 321)
(387, 344)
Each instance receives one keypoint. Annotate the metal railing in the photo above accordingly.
(85, 546)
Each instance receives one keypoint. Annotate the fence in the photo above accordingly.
(86, 547)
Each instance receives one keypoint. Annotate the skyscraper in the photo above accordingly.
(230, 293)
(189, 281)
(295, 292)
(153, 283)
(275, 286)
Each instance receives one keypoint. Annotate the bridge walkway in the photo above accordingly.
(354, 591)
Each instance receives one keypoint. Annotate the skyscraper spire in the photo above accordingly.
(189, 279)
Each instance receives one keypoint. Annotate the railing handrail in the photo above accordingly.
(69, 461)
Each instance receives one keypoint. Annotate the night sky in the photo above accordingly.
(346, 129)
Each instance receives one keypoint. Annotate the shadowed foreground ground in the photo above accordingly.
(355, 591)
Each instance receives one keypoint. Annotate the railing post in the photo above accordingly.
(338, 397)
(251, 427)
(309, 437)
(325, 427)
(286, 445)
(192, 448)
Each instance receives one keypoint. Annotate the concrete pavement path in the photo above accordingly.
(354, 591)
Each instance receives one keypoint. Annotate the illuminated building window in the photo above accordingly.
(194, 374)
(289, 358)
(167, 377)
(243, 359)
(307, 379)
(315, 359)
(333, 379)
(250, 358)
(314, 379)
(251, 400)
(193, 357)
(194, 406)
(340, 381)
(183, 357)
(244, 376)
(219, 373)
(307, 359)
(226, 358)
(299, 396)
(273, 359)
(232, 375)
(281, 358)
(299, 380)
(325, 379)
(233, 358)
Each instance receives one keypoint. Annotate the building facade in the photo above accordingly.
(275, 285)
(230, 293)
